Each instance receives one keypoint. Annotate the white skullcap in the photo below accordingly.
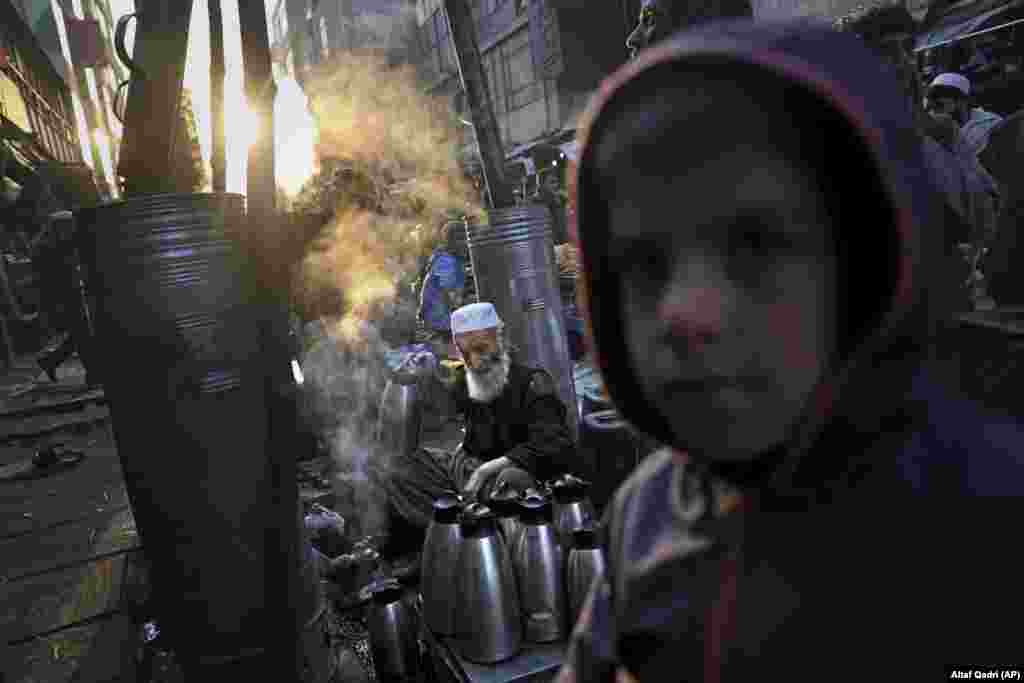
(951, 80)
(475, 317)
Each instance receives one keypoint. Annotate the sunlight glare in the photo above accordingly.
(294, 137)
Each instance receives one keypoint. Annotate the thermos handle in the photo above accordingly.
(122, 53)
(119, 46)
(119, 110)
(604, 420)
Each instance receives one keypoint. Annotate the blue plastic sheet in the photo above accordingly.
(393, 358)
(588, 382)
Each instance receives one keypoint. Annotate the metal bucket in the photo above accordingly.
(514, 266)
(187, 375)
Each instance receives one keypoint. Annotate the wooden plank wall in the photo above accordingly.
(71, 569)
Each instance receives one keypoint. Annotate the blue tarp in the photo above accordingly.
(588, 382)
(394, 357)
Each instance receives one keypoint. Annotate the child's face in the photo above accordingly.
(728, 286)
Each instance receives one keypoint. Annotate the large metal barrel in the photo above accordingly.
(183, 351)
(514, 267)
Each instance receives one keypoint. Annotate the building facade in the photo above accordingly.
(542, 61)
(36, 108)
(58, 85)
(95, 76)
(307, 33)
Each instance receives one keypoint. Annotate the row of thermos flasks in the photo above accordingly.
(513, 568)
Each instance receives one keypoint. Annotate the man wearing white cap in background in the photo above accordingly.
(949, 95)
(516, 428)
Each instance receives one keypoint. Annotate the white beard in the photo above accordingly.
(484, 387)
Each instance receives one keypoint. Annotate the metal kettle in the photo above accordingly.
(585, 563)
(438, 566)
(401, 412)
(572, 509)
(537, 560)
(504, 501)
(489, 627)
(394, 632)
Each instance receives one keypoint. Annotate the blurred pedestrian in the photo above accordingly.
(442, 287)
(1004, 154)
(55, 258)
(949, 94)
(971, 193)
(550, 194)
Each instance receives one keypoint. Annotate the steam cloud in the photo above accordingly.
(393, 152)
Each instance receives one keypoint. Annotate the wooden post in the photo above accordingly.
(284, 581)
(217, 70)
(471, 70)
(259, 92)
(296, 14)
(154, 97)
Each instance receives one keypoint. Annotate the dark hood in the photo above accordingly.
(864, 393)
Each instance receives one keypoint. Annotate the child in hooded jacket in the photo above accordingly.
(761, 240)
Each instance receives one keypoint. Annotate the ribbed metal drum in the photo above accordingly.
(514, 266)
(186, 375)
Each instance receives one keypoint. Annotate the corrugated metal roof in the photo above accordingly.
(556, 139)
(377, 6)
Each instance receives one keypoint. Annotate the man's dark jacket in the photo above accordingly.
(526, 423)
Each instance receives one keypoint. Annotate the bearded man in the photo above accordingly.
(515, 429)
(949, 95)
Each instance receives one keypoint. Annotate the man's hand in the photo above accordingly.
(484, 474)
